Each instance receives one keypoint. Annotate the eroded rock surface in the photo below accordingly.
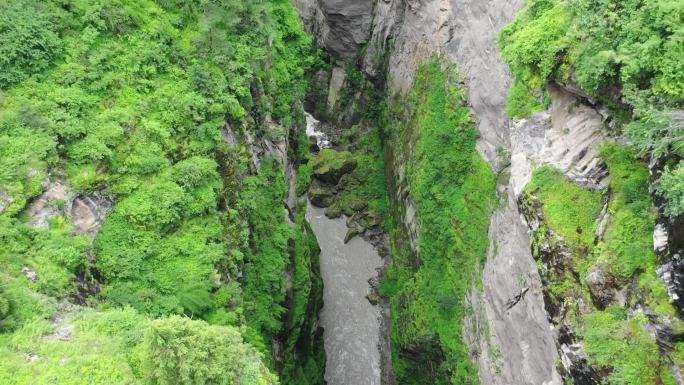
(88, 212)
(341, 26)
(568, 138)
(55, 200)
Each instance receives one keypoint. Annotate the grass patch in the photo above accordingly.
(569, 209)
(612, 340)
(522, 103)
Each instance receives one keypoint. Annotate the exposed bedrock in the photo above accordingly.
(341, 26)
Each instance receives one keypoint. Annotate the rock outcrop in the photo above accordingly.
(342, 27)
(330, 165)
(87, 211)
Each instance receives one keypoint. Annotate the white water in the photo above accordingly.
(313, 129)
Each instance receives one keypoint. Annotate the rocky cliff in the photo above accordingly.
(513, 332)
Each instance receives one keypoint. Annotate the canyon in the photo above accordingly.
(342, 192)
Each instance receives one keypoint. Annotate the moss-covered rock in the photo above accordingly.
(330, 165)
(321, 195)
(354, 230)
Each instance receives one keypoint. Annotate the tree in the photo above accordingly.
(181, 351)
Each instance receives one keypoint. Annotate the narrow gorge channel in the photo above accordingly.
(352, 325)
(350, 321)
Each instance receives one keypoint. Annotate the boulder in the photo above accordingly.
(5, 201)
(373, 298)
(353, 231)
(601, 284)
(88, 212)
(358, 204)
(321, 195)
(333, 211)
(330, 165)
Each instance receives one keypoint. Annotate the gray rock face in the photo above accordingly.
(520, 346)
(5, 201)
(341, 26)
(567, 138)
(601, 284)
(671, 271)
(660, 238)
(472, 44)
(88, 212)
(347, 26)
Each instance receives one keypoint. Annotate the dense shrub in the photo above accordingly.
(614, 341)
(186, 352)
(126, 99)
(672, 186)
(29, 39)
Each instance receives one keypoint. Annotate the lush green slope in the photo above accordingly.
(126, 99)
(453, 189)
(617, 342)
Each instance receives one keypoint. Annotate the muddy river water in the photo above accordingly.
(351, 324)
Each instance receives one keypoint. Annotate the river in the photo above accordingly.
(351, 324)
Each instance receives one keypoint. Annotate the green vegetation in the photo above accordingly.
(568, 208)
(453, 188)
(262, 201)
(522, 103)
(612, 339)
(625, 54)
(122, 347)
(172, 234)
(211, 355)
(672, 186)
(85, 347)
(634, 44)
(304, 178)
(30, 38)
(628, 240)
(125, 99)
(305, 361)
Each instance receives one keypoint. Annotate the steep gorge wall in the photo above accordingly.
(511, 334)
(512, 345)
